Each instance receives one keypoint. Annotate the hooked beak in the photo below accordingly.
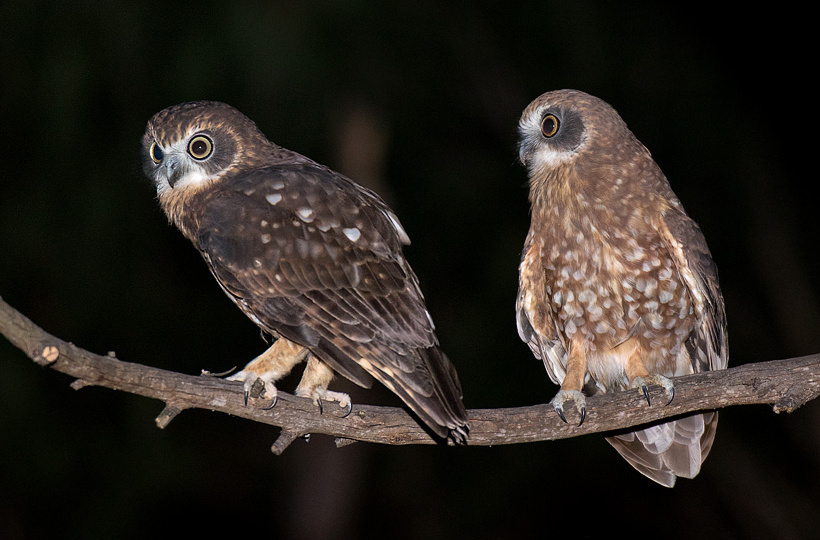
(525, 150)
(173, 170)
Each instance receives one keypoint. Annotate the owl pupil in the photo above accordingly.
(200, 147)
(549, 125)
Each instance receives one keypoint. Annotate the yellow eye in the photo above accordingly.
(549, 125)
(156, 153)
(200, 147)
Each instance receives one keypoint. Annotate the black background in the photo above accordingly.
(419, 100)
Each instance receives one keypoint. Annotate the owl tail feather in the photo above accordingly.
(670, 450)
(445, 405)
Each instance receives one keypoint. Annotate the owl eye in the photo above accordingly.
(549, 125)
(200, 147)
(156, 153)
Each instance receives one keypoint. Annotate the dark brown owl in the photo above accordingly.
(312, 258)
(617, 288)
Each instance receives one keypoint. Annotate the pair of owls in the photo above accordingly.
(617, 288)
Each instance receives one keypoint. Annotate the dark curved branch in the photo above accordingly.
(785, 384)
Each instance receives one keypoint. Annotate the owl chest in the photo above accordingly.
(606, 285)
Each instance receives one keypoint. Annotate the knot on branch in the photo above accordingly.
(45, 354)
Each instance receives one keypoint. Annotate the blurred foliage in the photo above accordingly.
(86, 253)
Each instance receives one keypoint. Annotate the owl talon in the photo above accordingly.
(272, 404)
(317, 395)
(643, 382)
(645, 391)
(570, 395)
(256, 388)
(342, 399)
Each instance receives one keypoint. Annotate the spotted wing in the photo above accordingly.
(313, 257)
(534, 317)
(678, 448)
(708, 345)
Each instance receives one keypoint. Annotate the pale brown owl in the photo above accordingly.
(314, 259)
(617, 288)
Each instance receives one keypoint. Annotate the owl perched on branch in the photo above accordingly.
(617, 288)
(312, 258)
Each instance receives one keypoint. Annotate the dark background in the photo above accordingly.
(421, 101)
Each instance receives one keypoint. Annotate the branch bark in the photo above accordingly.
(784, 384)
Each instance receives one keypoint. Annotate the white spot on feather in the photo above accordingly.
(603, 328)
(305, 214)
(273, 198)
(353, 233)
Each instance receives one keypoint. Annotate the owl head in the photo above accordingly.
(560, 126)
(575, 144)
(194, 144)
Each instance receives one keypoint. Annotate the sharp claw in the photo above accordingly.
(660, 380)
(247, 392)
(318, 396)
(569, 395)
(273, 404)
